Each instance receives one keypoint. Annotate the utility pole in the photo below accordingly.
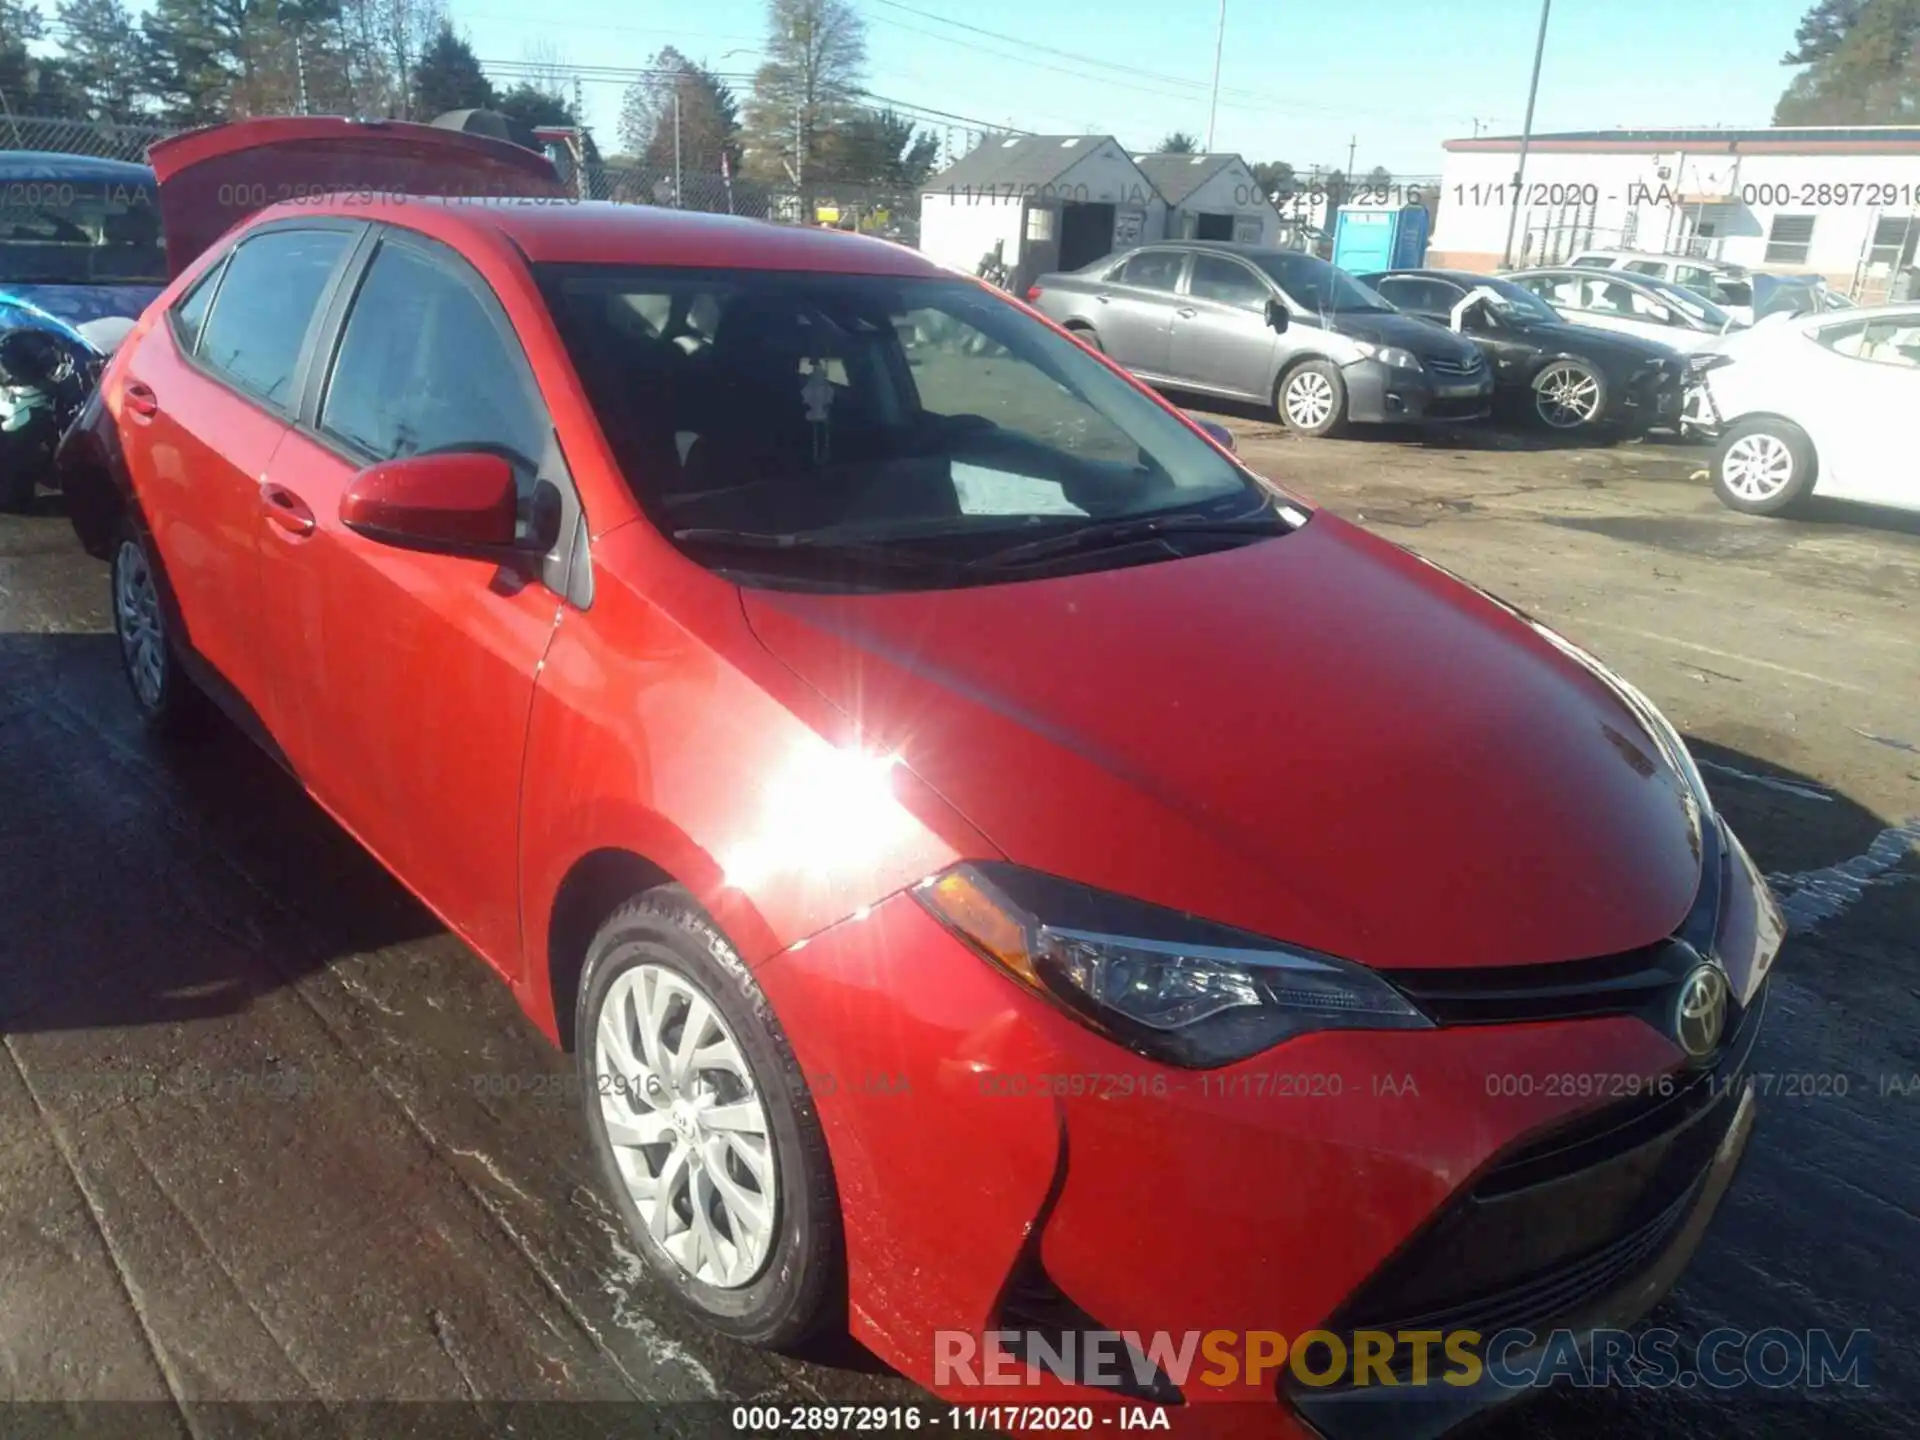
(300, 74)
(1526, 132)
(1219, 43)
(1352, 145)
(679, 203)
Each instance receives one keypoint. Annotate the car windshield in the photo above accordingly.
(1515, 302)
(832, 410)
(1695, 307)
(1316, 286)
(80, 232)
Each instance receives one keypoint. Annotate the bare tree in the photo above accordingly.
(397, 31)
(547, 70)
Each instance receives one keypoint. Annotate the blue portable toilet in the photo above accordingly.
(1367, 238)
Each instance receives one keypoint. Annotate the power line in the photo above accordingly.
(627, 75)
(1254, 101)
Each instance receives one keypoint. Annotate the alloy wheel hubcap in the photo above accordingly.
(1566, 396)
(687, 1125)
(136, 612)
(1757, 467)
(1309, 399)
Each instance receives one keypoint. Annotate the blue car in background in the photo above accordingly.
(80, 257)
(79, 237)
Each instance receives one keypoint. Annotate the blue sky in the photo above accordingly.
(1298, 81)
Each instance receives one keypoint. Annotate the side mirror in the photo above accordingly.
(1220, 434)
(457, 502)
(1278, 316)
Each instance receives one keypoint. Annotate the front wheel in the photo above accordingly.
(1313, 399)
(1569, 395)
(704, 1128)
(1764, 467)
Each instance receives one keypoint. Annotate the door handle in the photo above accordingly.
(1186, 312)
(1104, 299)
(287, 510)
(142, 401)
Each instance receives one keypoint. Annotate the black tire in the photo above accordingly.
(1320, 378)
(1743, 453)
(799, 1289)
(170, 704)
(1086, 336)
(1580, 384)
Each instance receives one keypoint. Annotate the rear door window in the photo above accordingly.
(265, 306)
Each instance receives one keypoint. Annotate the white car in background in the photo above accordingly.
(1631, 305)
(1728, 285)
(1820, 404)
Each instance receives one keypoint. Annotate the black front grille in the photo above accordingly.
(1563, 1220)
(1441, 365)
(1567, 990)
(1539, 1300)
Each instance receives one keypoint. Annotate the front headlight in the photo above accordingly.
(1169, 986)
(1389, 355)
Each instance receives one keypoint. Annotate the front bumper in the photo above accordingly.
(1379, 394)
(1001, 1167)
(1652, 398)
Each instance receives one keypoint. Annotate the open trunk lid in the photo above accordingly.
(213, 178)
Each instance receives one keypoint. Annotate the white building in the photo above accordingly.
(1049, 202)
(1841, 202)
(1211, 197)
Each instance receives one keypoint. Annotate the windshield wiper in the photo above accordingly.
(764, 542)
(1107, 534)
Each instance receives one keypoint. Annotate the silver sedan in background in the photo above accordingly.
(1274, 327)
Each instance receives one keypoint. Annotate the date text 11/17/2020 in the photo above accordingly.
(1821, 194)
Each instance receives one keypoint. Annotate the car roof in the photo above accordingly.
(1468, 278)
(56, 165)
(1700, 260)
(589, 232)
(1624, 277)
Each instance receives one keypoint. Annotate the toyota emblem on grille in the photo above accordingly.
(1700, 1012)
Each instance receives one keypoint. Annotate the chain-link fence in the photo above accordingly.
(79, 137)
(870, 209)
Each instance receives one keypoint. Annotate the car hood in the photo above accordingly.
(1318, 738)
(1422, 337)
(1591, 340)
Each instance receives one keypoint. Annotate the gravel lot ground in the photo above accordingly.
(268, 1134)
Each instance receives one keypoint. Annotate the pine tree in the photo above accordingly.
(1178, 143)
(878, 147)
(104, 58)
(709, 118)
(448, 77)
(30, 84)
(1863, 65)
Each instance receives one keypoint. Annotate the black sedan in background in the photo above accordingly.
(1566, 376)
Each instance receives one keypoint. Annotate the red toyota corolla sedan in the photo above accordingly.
(1001, 865)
